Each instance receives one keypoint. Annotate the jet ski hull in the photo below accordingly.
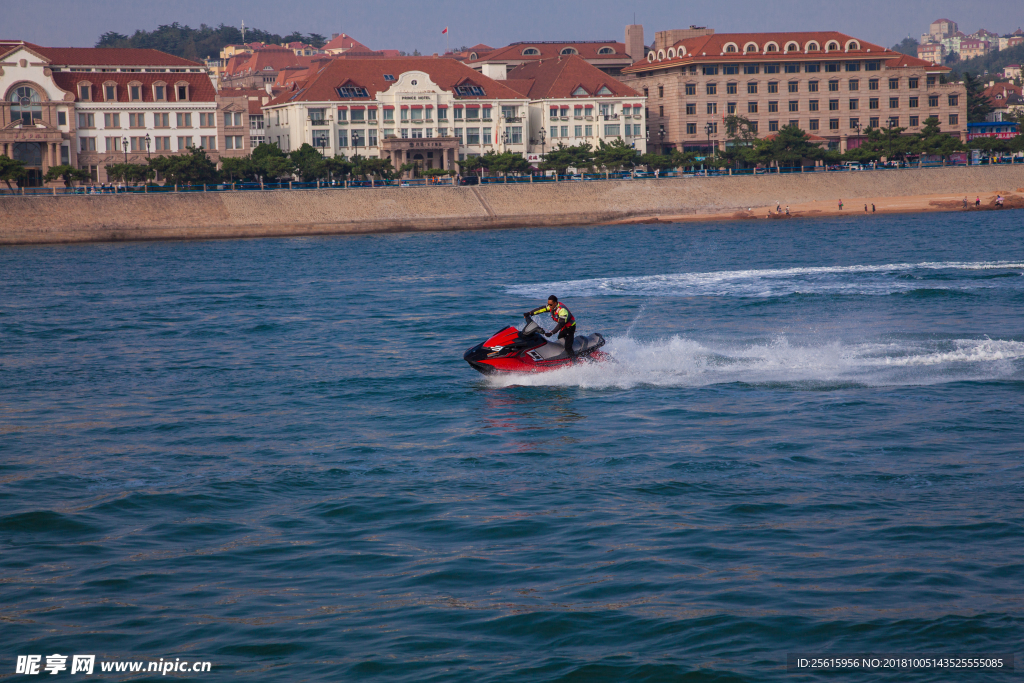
(512, 351)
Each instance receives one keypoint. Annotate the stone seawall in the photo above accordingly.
(98, 218)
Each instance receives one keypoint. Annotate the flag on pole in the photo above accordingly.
(445, 30)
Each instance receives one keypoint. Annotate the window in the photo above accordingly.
(833, 105)
(812, 68)
(813, 105)
(577, 131)
(159, 93)
(771, 68)
(111, 120)
(208, 141)
(417, 114)
(712, 88)
(833, 86)
(554, 132)
(812, 124)
(358, 115)
(86, 121)
(136, 120)
(731, 69)
(389, 115)
(405, 133)
(812, 86)
(691, 129)
(162, 144)
(854, 124)
(472, 113)
(390, 78)
(210, 121)
(588, 130)
(530, 51)
(912, 102)
(854, 84)
(473, 135)
(405, 114)
(714, 128)
(794, 122)
(358, 137)
(88, 144)
(183, 94)
(894, 103)
(853, 66)
(773, 107)
(832, 67)
(457, 132)
(751, 107)
(753, 127)
(894, 121)
(468, 91)
(794, 86)
(790, 69)
(873, 122)
(794, 105)
(873, 84)
(912, 82)
(711, 70)
(954, 119)
(873, 66)
(773, 87)
(954, 100)
(730, 108)
(84, 93)
(486, 112)
(854, 104)
(712, 107)
(751, 68)
(915, 121)
(161, 120)
(611, 130)
(343, 137)
(933, 100)
(833, 124)
(351, 91)
(184, 120)
(894, 84)
(773, 126)
(62, 118)
(930, 80)
(691, 109)
(568, 51)
(730, 88)
(110, 92)
(136, 92)
(751, 88)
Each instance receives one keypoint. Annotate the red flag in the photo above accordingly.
(445, 30)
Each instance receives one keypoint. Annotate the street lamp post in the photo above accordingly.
(148, 140)
(709, 129)
(124, 148)
(661, 140)
(542, 134)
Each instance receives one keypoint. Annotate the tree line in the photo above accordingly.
(198, 43)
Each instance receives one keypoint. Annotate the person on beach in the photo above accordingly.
(566, 323)
(840, 204)
(965, 202)
(999, 201)
(977, 202)
(872, 208)
(865, 208)
(787, 209)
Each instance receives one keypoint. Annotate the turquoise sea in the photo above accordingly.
(270, 455)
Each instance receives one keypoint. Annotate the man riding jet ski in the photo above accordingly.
(526, 350)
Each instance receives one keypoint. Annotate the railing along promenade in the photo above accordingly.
(469, 180)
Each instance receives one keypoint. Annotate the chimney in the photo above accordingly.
(333, 36)
(635, 42)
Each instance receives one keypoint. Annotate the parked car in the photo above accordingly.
(469, 180)
(853, 166)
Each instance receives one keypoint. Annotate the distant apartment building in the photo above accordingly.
(932, 52)
(259, 68)
(92, 107)
(607, 55)
(1012, 71)
(974, 47)
(939, 29)
(429, 111)
(827, 83)
(341, 43)
(573, 102)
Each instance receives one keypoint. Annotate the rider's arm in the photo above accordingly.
(538, 311)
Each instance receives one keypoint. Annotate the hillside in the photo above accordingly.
(992, 63)
(202, 42)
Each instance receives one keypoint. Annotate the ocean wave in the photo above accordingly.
(682, 362)
(890, 278)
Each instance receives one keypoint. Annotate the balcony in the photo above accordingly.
(610, 117)
(321, 122)
(512, 119)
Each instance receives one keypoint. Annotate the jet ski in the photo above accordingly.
(526, 350)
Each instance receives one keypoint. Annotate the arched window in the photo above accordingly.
(792, 47)
(832, 46)
(812, 46)
(650, 57)
(568, 51)
(26, 106)
(731, 47)
(531, 51)
(606, 51)
(771, 47)
(661, 54)
(671, 52)
(750, 47)
(852, 45)
(473, 55)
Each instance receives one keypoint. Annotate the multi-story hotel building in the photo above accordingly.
(425, 110)
(828, 83)
(91, 107)
(609, 56)
(572, 101)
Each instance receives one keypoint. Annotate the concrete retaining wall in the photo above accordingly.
(91, 218)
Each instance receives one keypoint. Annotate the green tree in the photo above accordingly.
(191, 168)
(872, 148)
(907, 46)
(739, 142)
(69, 174)
(309, 163)
(978, 106)
(271, 163)
(239, 169)
(470, 164)
(372, 167)
(788, 148)
(505, 163)
(11, 169)
(933, 142)
(656, 161)
(615, 155)
(130, 173)
(561, 158)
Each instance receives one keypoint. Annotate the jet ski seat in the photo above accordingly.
(582, 343)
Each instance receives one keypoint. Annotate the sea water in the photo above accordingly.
(270, 455)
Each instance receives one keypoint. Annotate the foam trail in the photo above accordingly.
(680, 362)
(858, 279)
(636, 318)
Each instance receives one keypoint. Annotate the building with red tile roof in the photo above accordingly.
(573, 102)
(261, 67)
(92, 107)
(424, 110)
(341, 43)
(607, 55)
(827, 83)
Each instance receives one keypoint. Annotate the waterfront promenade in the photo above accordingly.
(94, 218)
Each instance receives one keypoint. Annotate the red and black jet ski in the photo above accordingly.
(526, 350)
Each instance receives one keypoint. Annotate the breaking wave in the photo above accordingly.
(884, 279)
(688, 363)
